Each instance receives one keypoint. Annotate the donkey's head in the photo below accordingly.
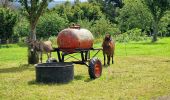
(33, 45)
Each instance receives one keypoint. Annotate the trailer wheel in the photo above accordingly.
(95, 68)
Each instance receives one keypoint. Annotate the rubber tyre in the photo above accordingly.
(95, 68)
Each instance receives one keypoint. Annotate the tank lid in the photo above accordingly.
(75, 26)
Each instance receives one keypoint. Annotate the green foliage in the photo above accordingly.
(103, 26)
(34, 9)
(7, 22)
(22, 27)
(158, 9)
(50, 24)
(164, 27)
(86, 23)
(132, 17)
(79, 11)
(110, 8)
(131, 35)
(99, 27)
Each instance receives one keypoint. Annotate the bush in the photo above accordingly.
(78, 11)
(103, 26)
(164, 26)
(22, 28)
(50, 24)
(131, 35)
(7, 22)
(85, 24)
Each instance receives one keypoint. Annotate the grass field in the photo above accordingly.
(141, 72)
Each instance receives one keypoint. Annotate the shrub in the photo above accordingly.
(22, 28)
(103, 26)
(7, 22)
(50, 24)
(131, 35)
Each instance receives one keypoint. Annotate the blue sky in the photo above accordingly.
(52, 4)
(70, 0)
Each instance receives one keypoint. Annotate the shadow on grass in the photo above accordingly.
(22, 44)
(4, 46)
(168, 61)
(20, 68)
(106, 66)
(78, 77)
(150, 43)
(34, 82)
(88, 80)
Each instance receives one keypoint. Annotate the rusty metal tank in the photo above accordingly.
(74, 38)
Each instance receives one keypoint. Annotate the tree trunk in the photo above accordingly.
(155, 31)
(4, 3)
(32, 55)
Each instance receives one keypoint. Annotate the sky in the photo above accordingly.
(70, 0)
(51, 5)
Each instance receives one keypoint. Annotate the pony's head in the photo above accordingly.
(107, 37)
(107, 41)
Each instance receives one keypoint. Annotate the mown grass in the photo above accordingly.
(141, 71)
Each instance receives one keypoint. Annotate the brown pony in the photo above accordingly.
(41, 47)
(108, 48)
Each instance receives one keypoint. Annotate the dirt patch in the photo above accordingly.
(162, 98)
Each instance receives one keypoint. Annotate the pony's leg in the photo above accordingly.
(104, 58)
(112, 59)
(108, 59)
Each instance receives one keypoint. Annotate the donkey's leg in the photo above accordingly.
(108, 59)
(41, 57)
(48, 57)
(50, 54)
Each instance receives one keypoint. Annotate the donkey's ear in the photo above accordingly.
(28, 40)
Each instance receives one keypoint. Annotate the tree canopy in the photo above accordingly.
(157, 8)
(8, 20)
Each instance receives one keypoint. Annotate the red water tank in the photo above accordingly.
(74, 38)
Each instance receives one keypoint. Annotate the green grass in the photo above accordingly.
(141, 71)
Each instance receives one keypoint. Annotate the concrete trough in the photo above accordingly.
(55, 72)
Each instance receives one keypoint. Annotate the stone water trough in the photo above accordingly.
(55, 72)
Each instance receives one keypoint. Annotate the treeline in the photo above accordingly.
(127, 20)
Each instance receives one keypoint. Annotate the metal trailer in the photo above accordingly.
(93, 63)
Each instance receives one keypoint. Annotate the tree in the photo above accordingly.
(50, 24)
(109, 7)
(164, 26)
(34, 9)
(7, 22)
(130, 16)
(79, 11)
(157, 8)
(5, 3)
